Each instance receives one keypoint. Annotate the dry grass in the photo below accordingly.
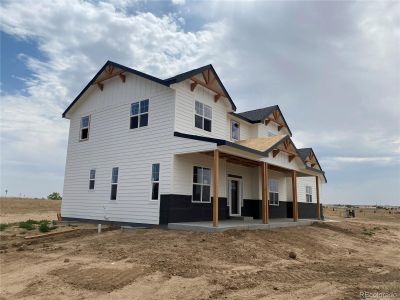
(14, 210)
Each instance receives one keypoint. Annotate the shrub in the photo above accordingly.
(3, 226)
(44, 226)
(28, 225)
(54, 196)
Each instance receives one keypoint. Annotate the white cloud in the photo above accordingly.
(178, 2)
(331, 66)
(77, 38)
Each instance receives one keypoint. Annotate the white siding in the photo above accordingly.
(247, 131)
(185, 109)
(112, 144)
(302, 182)
(183, 173)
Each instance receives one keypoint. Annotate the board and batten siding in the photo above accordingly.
(185, 111)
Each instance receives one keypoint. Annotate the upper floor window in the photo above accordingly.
(114, 183)
(92, 178)
(308, 194)
(155, 181)
(139, 114)
(273, 191)
(201, 184)
(235, 131)
(203, 116)
(84, 132)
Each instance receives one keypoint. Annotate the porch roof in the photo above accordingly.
(258, 146)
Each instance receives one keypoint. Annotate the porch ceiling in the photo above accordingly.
(236, 159)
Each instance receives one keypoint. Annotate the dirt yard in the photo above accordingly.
(335, 260)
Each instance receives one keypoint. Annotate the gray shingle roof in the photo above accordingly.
(304, 152)
(259, 115)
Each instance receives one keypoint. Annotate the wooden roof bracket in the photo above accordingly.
(275, 152)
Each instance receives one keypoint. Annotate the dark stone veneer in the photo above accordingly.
(180, 208)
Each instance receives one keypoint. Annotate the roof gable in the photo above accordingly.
(206, 77)
(110, 70)
(266, 114)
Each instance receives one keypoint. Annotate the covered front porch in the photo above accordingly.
(239, 182)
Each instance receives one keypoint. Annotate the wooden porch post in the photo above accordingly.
(216, 184)
(265, 192)
(318, 203)
(294, 192)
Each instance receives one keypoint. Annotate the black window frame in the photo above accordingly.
(92, 179)
(155, 181)
(83, 128)
(233, 122)
(201, 121)
(273, 193)
(139, 114)
(200, 183)
(114, 183)
(308, 194)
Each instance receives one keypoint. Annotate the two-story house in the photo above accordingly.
(143, 150)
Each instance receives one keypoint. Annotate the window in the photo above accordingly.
(201, 184)
(139, 114)
(155, 181)
(203, 116)
(92, 177)
(308, 194)
(84, 133)
(273, 191)
(235, 131)
(114, 184)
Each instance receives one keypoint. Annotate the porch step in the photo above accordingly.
(241, 218)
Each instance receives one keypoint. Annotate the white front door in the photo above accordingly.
(235, 196)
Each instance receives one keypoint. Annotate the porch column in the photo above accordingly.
(265, 192)
(294, 192)
(318, 204)
(215, 189)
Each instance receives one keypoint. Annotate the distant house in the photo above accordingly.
(143, 150)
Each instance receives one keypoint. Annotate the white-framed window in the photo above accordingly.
(235, 130)
(114, 183)
(308, 194)
(84, 131)
(92, 178)
(155, 181)
(201, 184)
(203, 116)
(273, 191)
(139, 114)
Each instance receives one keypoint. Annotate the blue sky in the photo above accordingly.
(332, 67)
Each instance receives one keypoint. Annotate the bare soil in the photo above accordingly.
(335, 260)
